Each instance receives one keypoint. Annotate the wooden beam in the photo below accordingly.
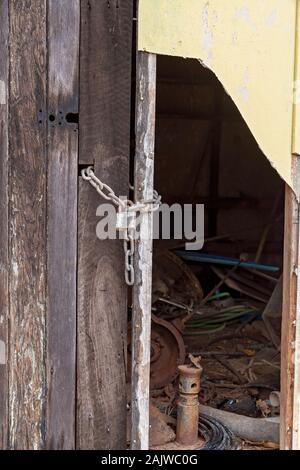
(3, 222)
(291, 229)
(296, 181)
(290, 342)
(142, 292)
(28, 208)
(105, 86)
(296, 346)
(62, 175)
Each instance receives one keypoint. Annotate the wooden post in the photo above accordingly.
(62, 176)
(43, 166)
(3, 222)
(290, 342)
(142, 292)
(291, 229)
(290, 333)
(27, 223)
(105, 90)
(296, 345)
(296, 180)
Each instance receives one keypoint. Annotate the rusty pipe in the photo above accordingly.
(188, 405)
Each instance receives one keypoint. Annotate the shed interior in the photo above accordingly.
(226, 312)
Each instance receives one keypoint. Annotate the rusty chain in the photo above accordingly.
(126, 217)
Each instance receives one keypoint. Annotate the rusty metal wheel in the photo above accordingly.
(167, 352)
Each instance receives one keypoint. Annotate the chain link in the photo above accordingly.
(125, 206)
(129, 258)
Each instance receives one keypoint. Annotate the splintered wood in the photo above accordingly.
(142, 293)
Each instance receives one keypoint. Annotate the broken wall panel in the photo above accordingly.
(105, 86)
(258, 41)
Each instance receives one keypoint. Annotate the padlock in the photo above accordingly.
(125, 220)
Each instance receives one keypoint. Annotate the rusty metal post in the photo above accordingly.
(188, 406)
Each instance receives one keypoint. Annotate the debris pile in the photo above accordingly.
(233, 328)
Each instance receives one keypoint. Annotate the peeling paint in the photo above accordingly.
(2, 92)
(142, 290)
(2, 353)
(271, 18)
(243, 13)
(234, 38)
(243, 93)
(243, 90)
(15, 268)
(207, 38)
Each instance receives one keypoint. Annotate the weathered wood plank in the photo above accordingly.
(290, 348)
(296, 184)
(105, 84)
(290, 342)
(291, 230)
(142, 292)
(105, 79)
(27, 144)
(3, 222)
(101, 419)
(296, 345)
(63, 69)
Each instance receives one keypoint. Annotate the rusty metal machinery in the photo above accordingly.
(188, 405)
(174, 280)
(194, 430)
(167, 352)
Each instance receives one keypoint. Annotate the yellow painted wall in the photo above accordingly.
(250, 45)
(296, 129)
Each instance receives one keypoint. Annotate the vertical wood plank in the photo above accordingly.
(105, 85)
(296, 344)
(27, 144)
(63, 69)
(291, 229)
(142, 292)
(290, 332)
(3, 222)
(296, 177)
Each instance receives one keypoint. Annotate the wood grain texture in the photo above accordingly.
(27, 144)
(105, 81)
(102, 331)
(289, 314)
(3, 222)
(290, 336)
(63, 69)
(105, 84)
(296, 345)
(142, 291)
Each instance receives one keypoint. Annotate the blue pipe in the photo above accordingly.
(215, 259)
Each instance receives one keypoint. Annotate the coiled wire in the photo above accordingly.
(215, 434)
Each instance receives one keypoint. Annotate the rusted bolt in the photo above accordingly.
(188, 406)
